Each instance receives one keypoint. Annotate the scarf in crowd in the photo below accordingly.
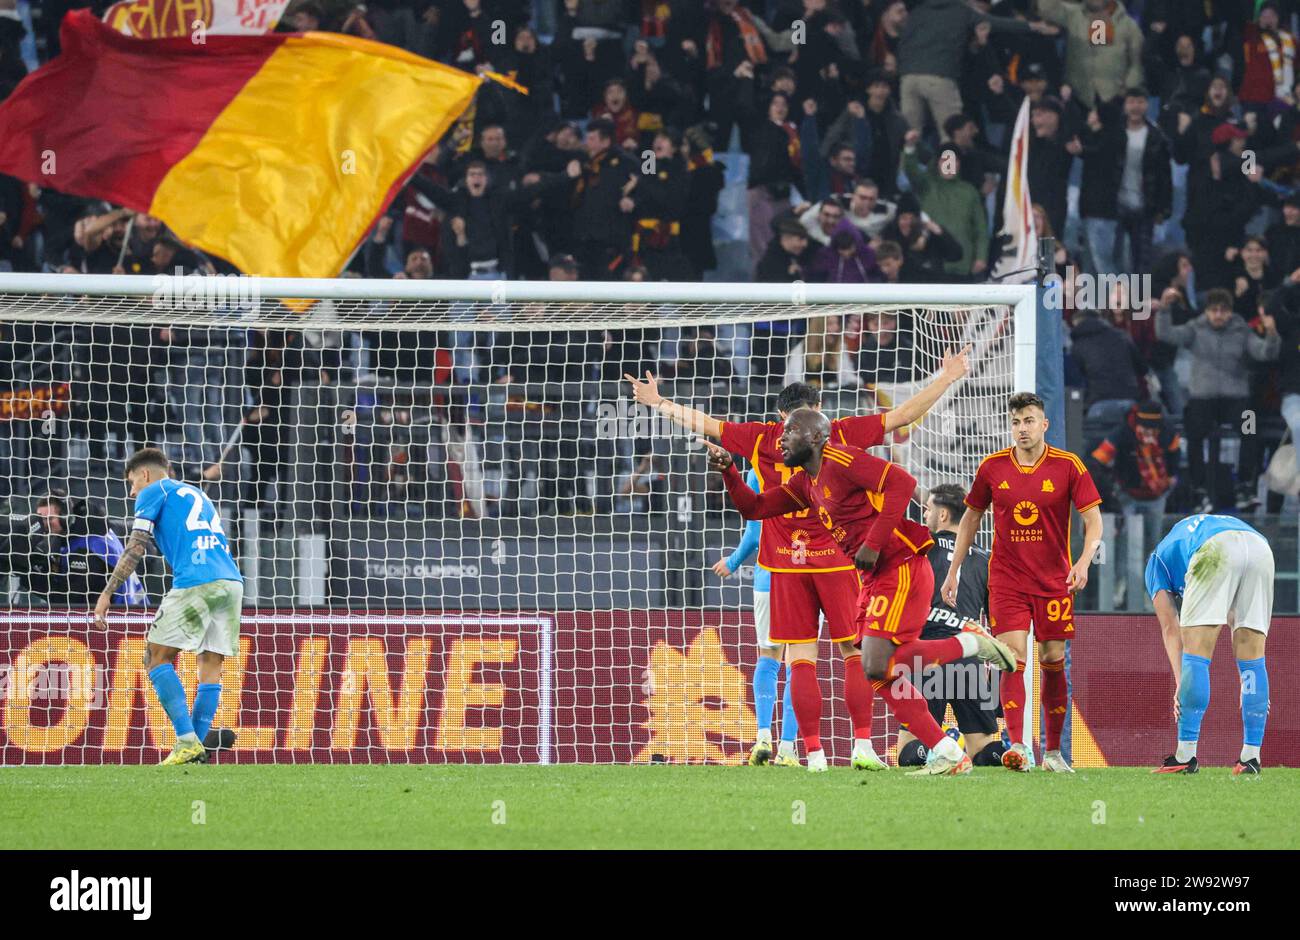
(655, 15)
(700, 160)
(1150, 458)
(792, 147)
(1106, 18)
(755, 51)
(1281, 56)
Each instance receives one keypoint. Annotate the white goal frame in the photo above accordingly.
(1021, 298)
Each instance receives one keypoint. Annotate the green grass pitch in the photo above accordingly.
(639, 807)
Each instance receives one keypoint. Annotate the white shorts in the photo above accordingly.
(1232, 573)
(763, 621)
(202, 619)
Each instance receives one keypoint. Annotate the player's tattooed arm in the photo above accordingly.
(955, 366)
(137, 546)
(1172, 635)
(646, 392)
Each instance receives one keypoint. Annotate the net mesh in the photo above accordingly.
(462, 540)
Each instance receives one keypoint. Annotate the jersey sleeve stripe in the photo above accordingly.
(754, 464)
(1095, 502)
(880, 485)
(796, 496)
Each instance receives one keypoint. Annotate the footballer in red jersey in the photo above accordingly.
(1032, 581)
(811, 578)
(860, 500)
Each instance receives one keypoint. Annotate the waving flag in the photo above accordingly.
(158, 19)
(276, 152)
(1021, 249)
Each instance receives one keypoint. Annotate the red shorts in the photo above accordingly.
(896, 603)
(1052, 617)
(799, 598)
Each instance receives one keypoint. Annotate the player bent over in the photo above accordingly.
(1031, 579)
(1223, 569)
(769, 653)
(860, 500)
(967, 684)
(811, 579)
(200, 613)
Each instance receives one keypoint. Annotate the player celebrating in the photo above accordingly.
(811, 578)
(1031, 580)
(1224, 571)
(769, 653)
(965, 684)
(860, 500)
(200, 613)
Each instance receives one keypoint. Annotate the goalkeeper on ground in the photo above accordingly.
(200, 613)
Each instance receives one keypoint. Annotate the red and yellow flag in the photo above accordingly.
(276, 152)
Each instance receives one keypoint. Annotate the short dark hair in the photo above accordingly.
(1218, 297)
(54, 499)
(840, 148)
(476, 164)
(148, 457)
(888, 249)
(955, 122)
(1022, 400)
(798, 395)
(602, 126)
(950, 496)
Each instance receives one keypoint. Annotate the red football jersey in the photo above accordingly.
(789, 543)
(849, 495)
(1031, 517)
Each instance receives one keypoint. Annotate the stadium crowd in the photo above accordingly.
(870, 138)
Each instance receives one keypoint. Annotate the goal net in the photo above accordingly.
(461, 538)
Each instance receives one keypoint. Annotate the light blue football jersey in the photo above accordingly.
(1167, 566)
(187, 530)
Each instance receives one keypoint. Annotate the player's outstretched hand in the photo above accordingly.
(956, 364)
(101, 611)
(949, 591)
(719, 457)
(1077, 579)
(720, 568)
(647, 392)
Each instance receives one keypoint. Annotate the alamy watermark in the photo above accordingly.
(1081, 291)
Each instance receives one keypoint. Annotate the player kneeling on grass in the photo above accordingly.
(200, 613)
(968, 685)
(861, 501)
(1223, 569)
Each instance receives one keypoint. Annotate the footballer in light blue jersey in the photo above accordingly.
(1223, 571)
(200, 614)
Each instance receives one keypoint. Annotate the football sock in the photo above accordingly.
(1193, 699)
(206, 699)
(789, 721)
(1056, 701)
(167, 686)
(990, 756)
(1254, 704)
(1013, 701)
(765, 673)
(929, 652)
(858, 697)
(910, 709)
(806, 694)
(912, 754)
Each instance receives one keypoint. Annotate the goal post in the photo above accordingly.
(462, 541)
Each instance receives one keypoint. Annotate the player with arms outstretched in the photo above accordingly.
(860, 500)
(1031, 579)
(201, 611)
(1223, 570)
(810, 576)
